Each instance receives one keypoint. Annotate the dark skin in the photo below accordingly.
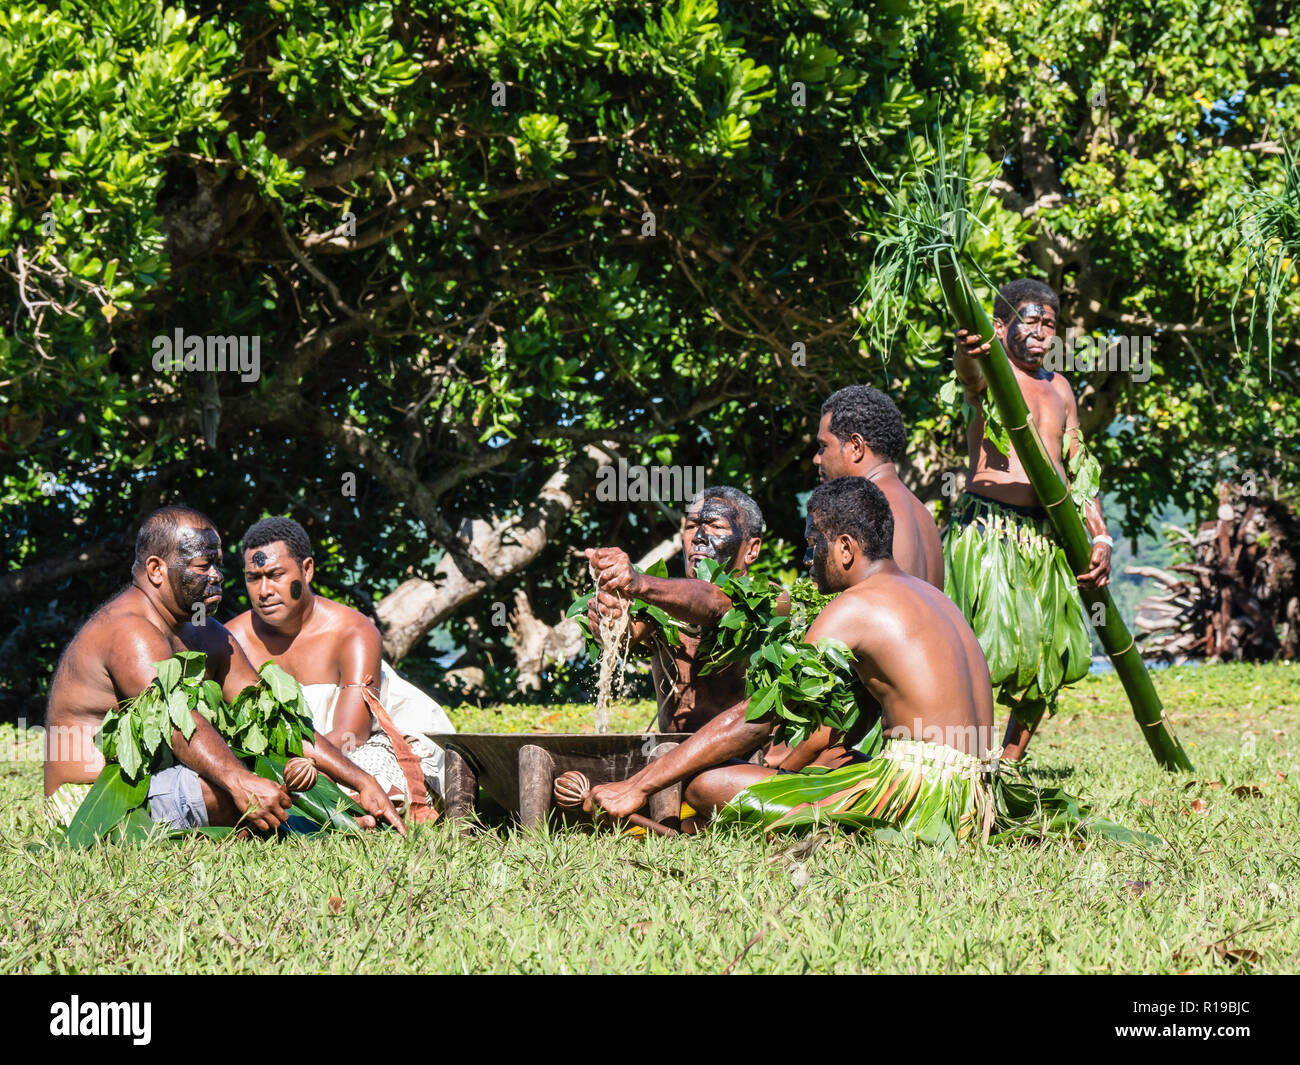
(1055, 412)
(916, 656)
(714, 530)
(316, 640)
(917, 548)
(111, 659)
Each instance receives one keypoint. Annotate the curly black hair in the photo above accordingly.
(855, 507)
(270, 530)
(871, 414)
(1011, 295)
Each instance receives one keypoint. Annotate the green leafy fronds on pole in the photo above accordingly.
(932, 223)
(1267, 228)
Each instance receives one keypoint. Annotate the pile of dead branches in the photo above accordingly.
(1238, 598)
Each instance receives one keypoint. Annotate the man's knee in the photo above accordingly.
(176, 798)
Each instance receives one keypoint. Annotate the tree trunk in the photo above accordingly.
(538, 644)
(500, 547)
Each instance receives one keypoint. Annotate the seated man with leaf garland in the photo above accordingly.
(115, 659)
(886, 639)
(377, 719)
(724, 526)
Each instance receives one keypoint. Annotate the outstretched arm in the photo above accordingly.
(727, 736)
(688, 599)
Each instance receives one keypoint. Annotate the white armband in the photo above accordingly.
(1103, 539)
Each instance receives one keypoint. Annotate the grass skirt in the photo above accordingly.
(927, 792)
(1015, 587)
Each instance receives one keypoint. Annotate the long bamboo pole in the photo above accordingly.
(1054, 494)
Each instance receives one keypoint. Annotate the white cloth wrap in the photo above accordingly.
(415, 713)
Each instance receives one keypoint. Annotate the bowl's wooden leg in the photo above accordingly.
(666, 805)
(536, 781)
(461, 783)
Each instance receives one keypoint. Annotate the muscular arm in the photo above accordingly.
(970, 375)
(688, 599)
(132, 670)
(727, 736)
(359, 663)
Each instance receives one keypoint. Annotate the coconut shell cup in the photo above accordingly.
(571, 788)
(299, 774)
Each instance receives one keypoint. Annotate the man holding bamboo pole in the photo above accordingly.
(1001, 565)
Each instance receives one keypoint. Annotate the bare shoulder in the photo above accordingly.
(843, 613)
(1062, 387)
(351, 622)
(241, 625)
(349, 633)
(211, 637)
(121, 625)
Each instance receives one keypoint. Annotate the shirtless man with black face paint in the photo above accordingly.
(168, 607)
(1025, 314)
(723, 524)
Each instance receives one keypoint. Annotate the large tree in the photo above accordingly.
(487, 247)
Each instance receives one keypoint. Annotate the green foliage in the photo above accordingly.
(325, 805)
(1268, 225)
(137, 733)
(761, 612)
(803, 686)
(110, 801)
(1084, 471)
(267, 718)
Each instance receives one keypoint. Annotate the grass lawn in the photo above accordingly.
(1223, 894)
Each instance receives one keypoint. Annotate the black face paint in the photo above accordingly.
(1018, 333)
(194, 543)
(295, 589)
(722, 546)
(190, 586)
(816, 557)
(259, 558)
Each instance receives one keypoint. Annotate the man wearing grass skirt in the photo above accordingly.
(917, 659)
(1001, 564)
(380, 721)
